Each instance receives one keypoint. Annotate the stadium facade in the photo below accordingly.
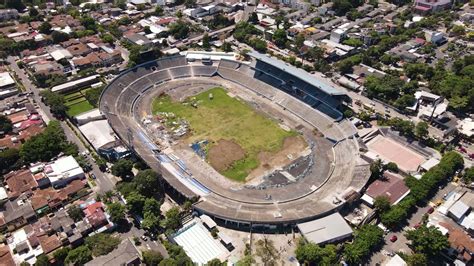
(337, 174)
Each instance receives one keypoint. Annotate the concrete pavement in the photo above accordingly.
(103, 181)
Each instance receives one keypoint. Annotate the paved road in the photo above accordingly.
(148, 244)
(104, 182)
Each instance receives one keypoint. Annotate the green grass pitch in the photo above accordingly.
(224, 117)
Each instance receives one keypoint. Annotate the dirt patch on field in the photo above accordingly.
(293, 147)
(222, 155)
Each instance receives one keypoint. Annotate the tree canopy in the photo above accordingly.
(116, 211)
(55, 101)
(427, 240)
(75, 213)
(151, 257)
(101, 244)
(366, 240)
(172, 219)
(148, 183)
(48, 144)
(122, 168)
(421, 189)
(79, 255)
(312, 254)
(6, 125)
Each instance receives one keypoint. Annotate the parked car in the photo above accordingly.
(393, 238)
(430, 210)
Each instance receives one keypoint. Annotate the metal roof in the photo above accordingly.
(298, 73)
(325, 230)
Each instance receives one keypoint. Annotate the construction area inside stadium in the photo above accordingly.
(256, 144)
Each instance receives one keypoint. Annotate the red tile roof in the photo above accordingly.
(6, 258)
(19, 182)
(392, 186)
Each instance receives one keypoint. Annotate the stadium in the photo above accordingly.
(259, 144)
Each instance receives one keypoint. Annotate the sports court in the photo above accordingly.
(391, 151)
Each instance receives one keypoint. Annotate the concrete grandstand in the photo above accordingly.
(336, 172)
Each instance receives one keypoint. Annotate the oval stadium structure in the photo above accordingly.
(312, 186)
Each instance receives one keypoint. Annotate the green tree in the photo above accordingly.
(279, 38)
(135, 202)
(206, 42)
(42, 260)
(148, 183)
(215, 262)
(421, 130)
(247, 260)
(102, 243)
(89, 23)
(458, 30)
(122, 168)
(151, 214)
(366, 240)
(61, 254)
(9, 160)
(353, 42)
(266, 251)
(108, 38)
(313, 254)
(33, 12)
(468, 175)
(177, 254)
(45, 28)
(382, 203)
(75, 213)
(172, 219)
(92, 95)
(79, 256)
(55, 101)
(417, 259)
(46, 145)
(116, 211)
(427, 240)
(227, 47)
(151, 257)
(58, 36)
(159, 11)
(299, 40)
(392, 167)
(179, 30)
(6, 125)
(376, 169)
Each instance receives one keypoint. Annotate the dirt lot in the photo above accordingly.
(293, 147)
(222, 155)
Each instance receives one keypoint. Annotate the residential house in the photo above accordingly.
(8, 14)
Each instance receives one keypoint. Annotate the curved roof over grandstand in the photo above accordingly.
(298, 73)
(338, 169)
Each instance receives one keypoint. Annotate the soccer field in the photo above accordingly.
(236, 132)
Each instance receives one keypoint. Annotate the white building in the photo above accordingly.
(7, 85)
(63, 170)
(8, 14)
(337, 35)
(21, 248)
(466, 127)
(329, 229)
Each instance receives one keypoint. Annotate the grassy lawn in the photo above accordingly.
(228, 118)
(77, 103)
(79, 108)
